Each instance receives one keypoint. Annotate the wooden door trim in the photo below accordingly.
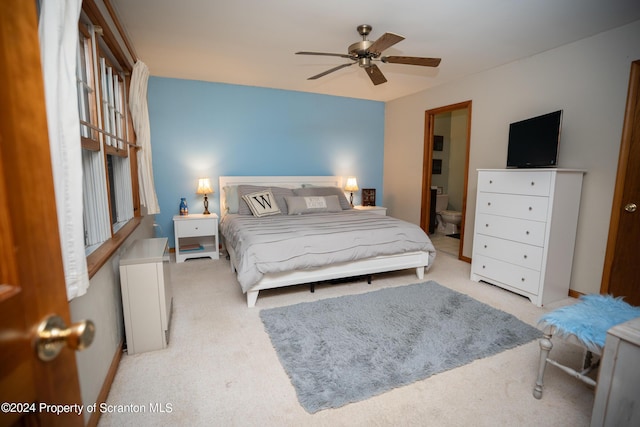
(426, 167)
(633, 94)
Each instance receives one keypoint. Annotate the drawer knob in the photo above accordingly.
(522, 279)
(527, 233)
(490, 181)
(530, 208)
(488, 203)
(533, 183)
(525, 257)
(485, 246)
(486, 225)
(483, 266)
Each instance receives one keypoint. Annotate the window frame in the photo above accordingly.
(89, 124)
(118, 50)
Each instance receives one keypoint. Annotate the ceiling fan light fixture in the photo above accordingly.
(365, 51)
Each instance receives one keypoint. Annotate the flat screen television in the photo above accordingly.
(533, 143)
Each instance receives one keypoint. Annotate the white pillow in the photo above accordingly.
(231, 198)
(262, 203)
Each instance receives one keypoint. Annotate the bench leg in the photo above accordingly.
(545, 347)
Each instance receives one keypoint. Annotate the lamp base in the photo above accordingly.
(206, 206)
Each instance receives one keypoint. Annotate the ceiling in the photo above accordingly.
(252, 42)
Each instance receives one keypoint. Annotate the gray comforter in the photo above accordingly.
(283, 243)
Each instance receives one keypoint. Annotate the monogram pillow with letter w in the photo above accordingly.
(262, 203)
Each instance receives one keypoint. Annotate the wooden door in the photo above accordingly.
(621, 276)
(31, 274)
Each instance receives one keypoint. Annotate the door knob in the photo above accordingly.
(53, 334)
(630, 207)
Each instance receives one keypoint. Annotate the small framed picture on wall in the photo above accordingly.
(368, 197)
(438, 142)
(436, 168)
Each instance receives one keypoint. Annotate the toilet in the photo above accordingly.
(448, 221)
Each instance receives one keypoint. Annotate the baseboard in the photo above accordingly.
(575, 294)
(106, 386)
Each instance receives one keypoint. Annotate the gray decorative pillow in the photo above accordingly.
(325, 191)
(262, 203)
(278, 192)
(311, 204)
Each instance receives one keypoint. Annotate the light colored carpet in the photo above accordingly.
(221, 369)
(342, 350)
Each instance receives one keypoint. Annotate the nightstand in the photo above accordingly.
(380, 210)
(196, 236)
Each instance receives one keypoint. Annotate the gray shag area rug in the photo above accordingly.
(342, 350)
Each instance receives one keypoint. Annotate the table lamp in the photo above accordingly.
(204, 187)
(352, 185)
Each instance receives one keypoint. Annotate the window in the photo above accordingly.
(108, 146)
(86, 91)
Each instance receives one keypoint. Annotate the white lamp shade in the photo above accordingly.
(204, 186)
(352, 184)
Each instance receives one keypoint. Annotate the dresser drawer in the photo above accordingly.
(516, 206)
(518, 277)
(516, 182)
(196, 227)
(518, 230)
(528, 256)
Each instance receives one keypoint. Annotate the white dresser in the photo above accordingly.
(525, 230)
(146, 295)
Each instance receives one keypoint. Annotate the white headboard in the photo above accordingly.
(275, 181)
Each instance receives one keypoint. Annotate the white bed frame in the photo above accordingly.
(380, 264)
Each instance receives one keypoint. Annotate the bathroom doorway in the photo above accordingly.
(445, 171)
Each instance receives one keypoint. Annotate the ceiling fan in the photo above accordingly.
(366, 51)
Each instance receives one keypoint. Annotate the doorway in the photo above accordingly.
(445, 173)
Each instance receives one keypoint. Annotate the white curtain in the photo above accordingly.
(140, 116)
(58, 33)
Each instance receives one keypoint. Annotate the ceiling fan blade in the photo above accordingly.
(339, 67)
(412, 60)
(341, 55)
(375, 74)
(384, 42)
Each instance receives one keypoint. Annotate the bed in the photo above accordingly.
(309, 234)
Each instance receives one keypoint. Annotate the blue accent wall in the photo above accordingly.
(210, 129)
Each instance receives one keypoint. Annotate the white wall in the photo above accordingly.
(103, 305)
(457, 158)
(442, 127)
(588, 79)
(452, 126)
